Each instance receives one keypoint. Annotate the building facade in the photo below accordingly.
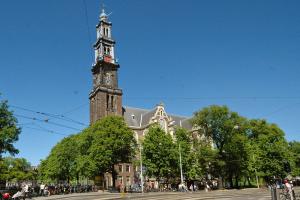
(106, 99)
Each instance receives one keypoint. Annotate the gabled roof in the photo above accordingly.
(139, 118)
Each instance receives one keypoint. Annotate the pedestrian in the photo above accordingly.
(289, 189)
(42, 188)
(207, 188)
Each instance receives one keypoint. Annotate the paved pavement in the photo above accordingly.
(245, 194)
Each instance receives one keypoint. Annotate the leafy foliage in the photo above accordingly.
(16, 169)
(223, 145)
(60, 164)
(272, 148)
(294, 149)
(9, 132)
(113, 142)
(159, 153)
(92, 152)
(243, 146)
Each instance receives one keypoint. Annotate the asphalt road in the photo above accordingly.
(246, 194)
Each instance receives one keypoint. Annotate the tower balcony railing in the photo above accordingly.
(106, 58)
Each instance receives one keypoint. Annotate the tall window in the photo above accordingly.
(107, 101)
(112, 102)
(104, 31)
(120, 168)
(127, 168)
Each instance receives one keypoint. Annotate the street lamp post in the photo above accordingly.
(141, 166)
(181, 174)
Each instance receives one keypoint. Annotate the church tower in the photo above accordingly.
(105, 97)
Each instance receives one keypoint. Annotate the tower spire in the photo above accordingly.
(103, 15)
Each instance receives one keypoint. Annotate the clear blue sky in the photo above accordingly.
(188, 54)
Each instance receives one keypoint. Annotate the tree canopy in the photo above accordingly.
(159, 153)
(294, 149)
(16, 170)
(9, 131)
(243, 146)
(93, 151)
(222, 144)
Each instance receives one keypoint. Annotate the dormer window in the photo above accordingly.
(132, 116)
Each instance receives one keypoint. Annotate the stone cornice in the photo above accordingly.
(105, 89)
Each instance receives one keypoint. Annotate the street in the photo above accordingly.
(245, 194)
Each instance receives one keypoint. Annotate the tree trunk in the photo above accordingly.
(113, 174)
(220, 183)
(231, 181)
(236, 182)
(249, 183)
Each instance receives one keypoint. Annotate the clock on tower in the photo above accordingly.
(105, 97)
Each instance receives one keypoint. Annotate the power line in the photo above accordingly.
(74, 109)
(88, 27)
(45, 130)
(47, 121)
(60, 117)
(280, 109)
(219, 97)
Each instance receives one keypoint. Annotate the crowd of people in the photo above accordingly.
(26, 190)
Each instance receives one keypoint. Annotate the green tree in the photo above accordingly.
(92, 152)
(190, 156)
(60, 164)
(271, 153)
(85, 166)
(294, 149)
(226, 131)
(16, 170)
(160, 154)
(9, 132)
(113, 142)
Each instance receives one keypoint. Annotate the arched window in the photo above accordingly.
(112, 102)
(107, 101)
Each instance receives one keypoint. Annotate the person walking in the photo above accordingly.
(42, 188)
(289, 189)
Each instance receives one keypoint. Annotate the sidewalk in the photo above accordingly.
(64, 196)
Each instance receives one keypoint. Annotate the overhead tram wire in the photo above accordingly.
(74, 109)
(280, 109)
(88, 27)
(47, 121)
(218, 98)
(56, 116)
(45, 130)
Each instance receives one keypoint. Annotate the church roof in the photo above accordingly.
(139, 118)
